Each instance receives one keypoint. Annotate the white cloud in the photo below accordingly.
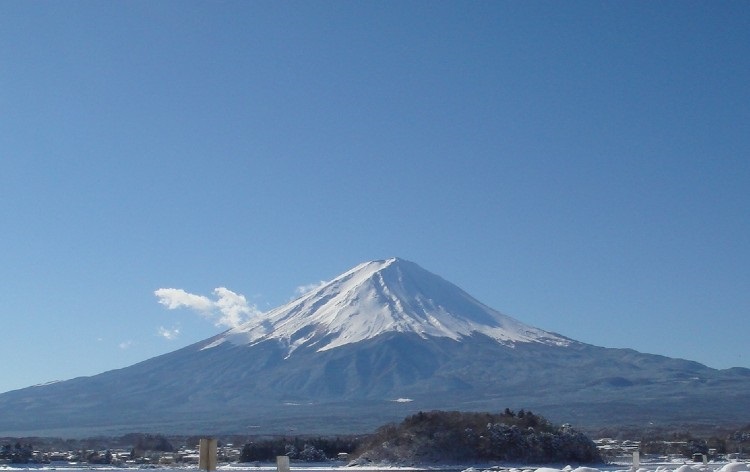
(168, 333)
(125, 345)
(229, 310)
(174, 298)
(233, 307)
(303, 289)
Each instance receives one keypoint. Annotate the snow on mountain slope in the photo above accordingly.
(392, 295)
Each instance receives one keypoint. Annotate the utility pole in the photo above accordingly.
(207, 454)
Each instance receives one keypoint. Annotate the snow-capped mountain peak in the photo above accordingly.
(373, 298)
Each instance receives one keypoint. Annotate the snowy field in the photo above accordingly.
(614, 467)
(645, 467)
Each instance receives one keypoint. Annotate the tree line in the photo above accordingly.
(440, 436)
(306, 449)
(16, 454)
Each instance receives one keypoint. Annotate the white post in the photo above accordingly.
(282, 463)
(636, 460)
(207, 454)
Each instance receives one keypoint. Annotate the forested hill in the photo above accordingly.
(441, 436)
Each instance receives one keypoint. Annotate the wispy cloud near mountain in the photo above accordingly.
(303, 289)
(169, 333)
(227, 309)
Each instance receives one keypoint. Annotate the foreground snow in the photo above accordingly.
(646, 467)
(664, 467)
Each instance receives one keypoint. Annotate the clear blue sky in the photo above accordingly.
(581, 166)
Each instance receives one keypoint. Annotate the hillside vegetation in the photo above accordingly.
(440, 436)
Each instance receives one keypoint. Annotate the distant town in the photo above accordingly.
(145, 450)
(137, 450)
(26, 453)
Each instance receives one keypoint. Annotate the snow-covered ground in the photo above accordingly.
(735, 466)
(646, 467)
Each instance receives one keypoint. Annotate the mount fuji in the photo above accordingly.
(379, 342)
(374, 298)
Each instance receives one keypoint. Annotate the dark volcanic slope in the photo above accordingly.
(353, 388)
